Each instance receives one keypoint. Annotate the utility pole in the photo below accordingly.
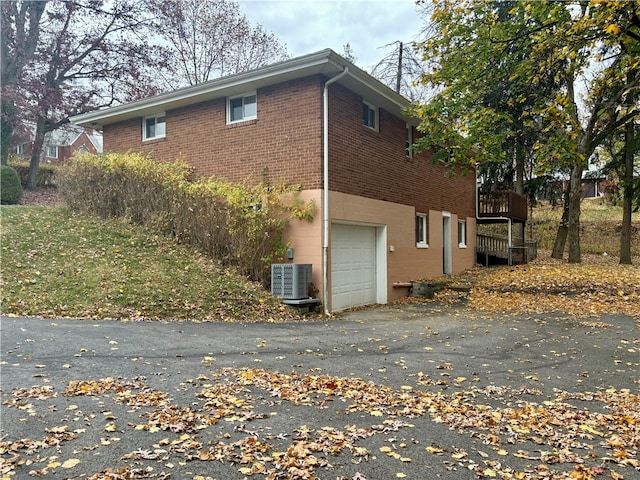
(399, 76)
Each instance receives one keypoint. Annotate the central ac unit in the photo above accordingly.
(290, 281)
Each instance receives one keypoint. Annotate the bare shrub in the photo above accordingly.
(240, 226)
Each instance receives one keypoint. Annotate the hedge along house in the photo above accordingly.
(386, 216)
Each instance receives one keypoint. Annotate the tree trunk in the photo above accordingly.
(519, 227)
(21, 28)
(573, 227)
(627, 183)
(561, 235)
(36, 154)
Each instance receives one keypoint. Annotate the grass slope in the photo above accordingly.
(600, 225)
(57, 264)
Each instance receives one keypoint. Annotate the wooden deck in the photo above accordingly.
(497, 206)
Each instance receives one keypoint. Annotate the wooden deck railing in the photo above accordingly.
(498, 247)
(502, 204)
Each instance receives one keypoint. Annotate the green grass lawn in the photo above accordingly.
(600, 227)
(55, 263)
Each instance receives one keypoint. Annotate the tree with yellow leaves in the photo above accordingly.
(540, 80)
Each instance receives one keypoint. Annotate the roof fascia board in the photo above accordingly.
(384, 96)
(379, 87)
(203, 91)
(325, 62)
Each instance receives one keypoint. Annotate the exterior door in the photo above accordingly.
(446, 243)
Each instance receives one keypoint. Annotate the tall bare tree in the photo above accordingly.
(208, 39)
(20, 25)
(82, 55)
(400, 69)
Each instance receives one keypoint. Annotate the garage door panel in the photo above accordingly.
(353, 266)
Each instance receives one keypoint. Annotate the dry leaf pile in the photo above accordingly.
(586, 290)
(577, 290)
(525, 434)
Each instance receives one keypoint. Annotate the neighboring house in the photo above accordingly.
(389, 216)
(60, 144)
(594, 183)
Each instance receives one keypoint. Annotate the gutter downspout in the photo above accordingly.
(325, 193)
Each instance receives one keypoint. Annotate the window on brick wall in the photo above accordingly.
(244, 107)
(462, 233)
(369, 116)
(154, 127)
(422, 230)
(52, 151)
(20, 149)
(409, 142)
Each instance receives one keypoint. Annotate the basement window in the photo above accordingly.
(422, 230)
(154, 127)
(462, 234)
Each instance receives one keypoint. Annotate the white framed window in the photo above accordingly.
(52, 151)
(409, 142)
(422, 230)
(20, 149)
(370, 116)
(243, 107)
(154, 127)
(462, 233)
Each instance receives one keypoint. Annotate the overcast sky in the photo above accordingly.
(307, 26)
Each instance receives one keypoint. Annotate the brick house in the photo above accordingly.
(60, 144)
(389, 216)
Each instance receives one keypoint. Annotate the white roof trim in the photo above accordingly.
(325, 62)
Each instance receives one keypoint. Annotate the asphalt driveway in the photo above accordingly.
(392, 392)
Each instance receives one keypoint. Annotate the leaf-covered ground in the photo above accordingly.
(522, 435)
(586, 290)
(596, 287)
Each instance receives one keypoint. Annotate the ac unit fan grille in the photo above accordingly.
(290, 280)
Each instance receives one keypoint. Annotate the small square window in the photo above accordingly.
(52, 151)
(242, 108)
(154, 127)
(462, 233)
(20, 149)
(422, 230)
(369, 116)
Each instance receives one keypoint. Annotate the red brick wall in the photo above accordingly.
(83, 140)
(374, 164)
(67, 151)
(283, 144)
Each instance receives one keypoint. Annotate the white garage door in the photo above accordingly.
(353, 266)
